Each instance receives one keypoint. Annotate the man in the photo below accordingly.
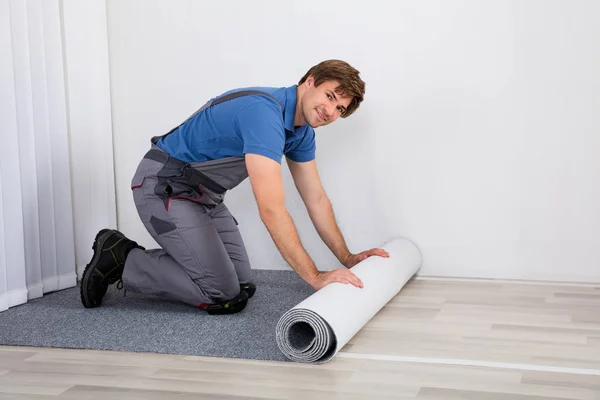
(180, 183)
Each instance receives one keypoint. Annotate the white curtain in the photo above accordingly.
(37, 247)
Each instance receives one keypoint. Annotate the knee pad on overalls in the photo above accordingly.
(249, 288)
(235, 305)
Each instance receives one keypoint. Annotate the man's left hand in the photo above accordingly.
(354, 259)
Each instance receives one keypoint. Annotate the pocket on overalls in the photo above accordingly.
(177, 188)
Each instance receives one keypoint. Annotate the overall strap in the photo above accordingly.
(216, 101)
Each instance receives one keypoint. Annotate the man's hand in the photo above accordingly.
(306, 178)
(352, 259)
(344, 276)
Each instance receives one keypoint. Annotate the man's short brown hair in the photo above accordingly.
(350, 83)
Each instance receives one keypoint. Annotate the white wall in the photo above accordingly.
(477, 138)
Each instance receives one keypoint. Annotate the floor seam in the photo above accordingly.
(471, 363)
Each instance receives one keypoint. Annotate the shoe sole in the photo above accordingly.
(98, 243)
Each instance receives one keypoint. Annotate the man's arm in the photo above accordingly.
(267, 185)
(307, 181)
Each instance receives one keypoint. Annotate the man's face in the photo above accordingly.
(321, 105)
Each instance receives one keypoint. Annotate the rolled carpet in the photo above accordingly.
(317, 328)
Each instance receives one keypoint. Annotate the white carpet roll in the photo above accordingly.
(318, 327)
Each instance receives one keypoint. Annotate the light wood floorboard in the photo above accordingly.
(494, 322)
(86, 375)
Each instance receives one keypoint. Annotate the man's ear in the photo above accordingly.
(310, 80)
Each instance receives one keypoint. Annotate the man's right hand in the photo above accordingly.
(341, 275)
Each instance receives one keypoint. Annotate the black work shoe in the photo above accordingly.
(111, 248)
(235, 305)
(249, 288)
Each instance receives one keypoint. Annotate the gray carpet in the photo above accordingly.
(149, 324)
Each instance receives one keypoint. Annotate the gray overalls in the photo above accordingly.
(203, 258)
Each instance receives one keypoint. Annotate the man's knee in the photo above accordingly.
(222, 289)
(227, 298)
(230, 289)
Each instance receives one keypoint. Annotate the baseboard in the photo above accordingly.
(419, 277)
(510, 281)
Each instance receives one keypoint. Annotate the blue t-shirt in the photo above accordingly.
(248, 124)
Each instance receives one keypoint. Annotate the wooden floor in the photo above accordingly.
(435, 340)
(494, 322)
